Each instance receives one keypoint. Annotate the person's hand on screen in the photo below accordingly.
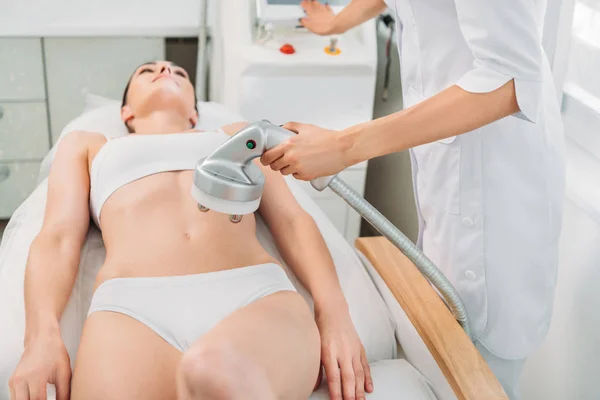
(319, 17)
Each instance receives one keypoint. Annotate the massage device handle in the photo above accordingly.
(247, 144)
(235, 156)
(276, 135)
(228, 181)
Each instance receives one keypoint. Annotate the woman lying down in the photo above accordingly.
(187, 304)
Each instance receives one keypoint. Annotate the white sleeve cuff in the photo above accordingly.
(483, 79)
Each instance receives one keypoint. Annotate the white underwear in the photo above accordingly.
(181, 309)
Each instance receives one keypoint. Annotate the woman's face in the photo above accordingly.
(160, 86)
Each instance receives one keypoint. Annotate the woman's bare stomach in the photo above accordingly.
(152, 227)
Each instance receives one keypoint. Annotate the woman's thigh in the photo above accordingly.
(272, 345)
(121, 358)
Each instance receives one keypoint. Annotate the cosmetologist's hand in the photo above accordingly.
(314, 152)
(319, 17)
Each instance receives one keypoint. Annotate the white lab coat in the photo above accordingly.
(489, 201)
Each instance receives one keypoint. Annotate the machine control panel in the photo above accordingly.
(277, 28)
(287, 11)
(332, 49)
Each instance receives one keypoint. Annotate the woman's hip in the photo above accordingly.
(182, 308)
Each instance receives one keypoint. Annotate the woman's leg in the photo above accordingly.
(121, 358)
(265, 351)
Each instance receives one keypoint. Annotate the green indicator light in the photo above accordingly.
(251, 144)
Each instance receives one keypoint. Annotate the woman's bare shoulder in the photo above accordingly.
(84, 137)
(81, 140)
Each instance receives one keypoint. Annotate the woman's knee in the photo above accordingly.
(217, 370)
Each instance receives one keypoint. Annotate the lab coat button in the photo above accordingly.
(468, 222)
(470, 275)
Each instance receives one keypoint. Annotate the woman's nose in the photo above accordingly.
(165, 68)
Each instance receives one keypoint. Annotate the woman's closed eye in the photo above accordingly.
(144, 70)
(181, 73)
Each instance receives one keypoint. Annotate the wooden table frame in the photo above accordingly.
(460, 362)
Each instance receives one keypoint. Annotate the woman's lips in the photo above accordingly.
(165, 76)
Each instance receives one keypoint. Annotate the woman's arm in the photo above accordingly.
(316, 152)
(54, 254)
(321, 20)
(451, 112)
(300, 243)
(506, 78)
(298, 239)
(51, 271)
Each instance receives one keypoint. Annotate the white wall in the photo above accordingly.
(557, 37)
(567, 366)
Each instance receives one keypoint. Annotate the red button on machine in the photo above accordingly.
(287, 49)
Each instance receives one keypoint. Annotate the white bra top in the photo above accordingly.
(126, 159)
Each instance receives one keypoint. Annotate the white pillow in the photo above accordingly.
(94, 101)
(103, 114)
(211, 116)
(367, 308)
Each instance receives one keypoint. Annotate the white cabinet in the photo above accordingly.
(23, 131)
(76, 66)
(32, 118)
(17, 181)
(21, 70)
(23, 119)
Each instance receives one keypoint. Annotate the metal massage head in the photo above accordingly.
(228, 181)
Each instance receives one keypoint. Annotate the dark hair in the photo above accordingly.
(126, 91)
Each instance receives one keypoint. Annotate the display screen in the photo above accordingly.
(297, 2)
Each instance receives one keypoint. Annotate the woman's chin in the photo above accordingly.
(167, 97)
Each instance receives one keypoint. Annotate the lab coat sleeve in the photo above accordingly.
(505, 40)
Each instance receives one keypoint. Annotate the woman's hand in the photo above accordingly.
(313, 153)
(45, 360)
(319, 17)
(343, 356)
